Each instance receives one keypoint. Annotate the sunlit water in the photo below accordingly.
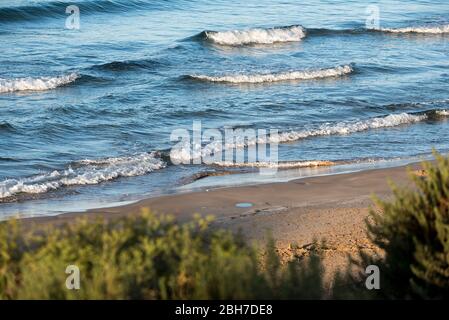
(86, 115)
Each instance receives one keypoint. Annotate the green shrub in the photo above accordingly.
(146, 257)
(413, 232)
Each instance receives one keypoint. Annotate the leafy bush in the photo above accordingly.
(146, 257)
(413, 232)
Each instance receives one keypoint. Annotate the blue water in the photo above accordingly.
(104, 136)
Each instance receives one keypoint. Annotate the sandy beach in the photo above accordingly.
(297, 212)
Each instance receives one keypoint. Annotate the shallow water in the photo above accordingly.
(86, 115)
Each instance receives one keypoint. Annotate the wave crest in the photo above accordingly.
(36, 10)
(428, 30)
(6, 126)
(343, 128)
(85, 172)
(127, 65)
(256, 36)
(36, 84)
(442, 113)
(283, 76)
(279, 165)
(184, 154)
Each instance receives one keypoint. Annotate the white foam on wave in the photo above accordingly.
(344, 128)
(283, 76)
(184, 153)
(257, 36)
(36, 84)
(429, 29)
(86, 172)
(444, 113)
(279, 165)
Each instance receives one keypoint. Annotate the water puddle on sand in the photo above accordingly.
(244, 205)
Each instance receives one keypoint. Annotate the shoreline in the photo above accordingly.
(295, 214)
(42, 206)
(221, 201)
(330, 207)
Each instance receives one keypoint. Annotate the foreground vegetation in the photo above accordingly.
(413, 232)
(153, 257)
(146, 257)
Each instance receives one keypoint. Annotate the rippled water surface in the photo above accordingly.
(86, 115)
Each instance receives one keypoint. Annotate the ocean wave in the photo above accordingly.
(184, 154)
(442, 29)
(331, 32)
(443, 113)
(84, 172)
(274, 77)
(36, 84)
(277, 165)
(127, 65)
(6, 126)
(344, 128)
(56, 9)
(256, 36)
(422, 29)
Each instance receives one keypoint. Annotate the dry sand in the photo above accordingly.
(331, 207)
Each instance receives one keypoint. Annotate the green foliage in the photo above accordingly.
(413, 232)
(146, 257)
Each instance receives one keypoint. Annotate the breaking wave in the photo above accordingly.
(283, 76)
(422, 29)
(277, 165)
(255, 36)
(85, 172)
(343, 128)
(443, 113)
(184, 154)
(297, 33)
(36, 84)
